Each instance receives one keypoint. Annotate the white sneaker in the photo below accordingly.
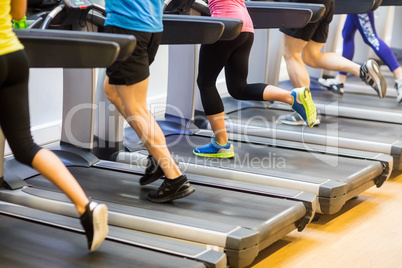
(371, 75)
(398, 87)
(95, 223)
(332, 84)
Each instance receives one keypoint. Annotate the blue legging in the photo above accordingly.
(365, 24)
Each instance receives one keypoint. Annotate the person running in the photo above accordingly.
(15, 123)
(234, 57)
(303, 46)
(126, 86)
(364, 23)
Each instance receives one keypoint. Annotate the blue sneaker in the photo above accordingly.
(303, 104)
(214, 149)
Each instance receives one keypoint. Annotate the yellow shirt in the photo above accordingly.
(8, 40)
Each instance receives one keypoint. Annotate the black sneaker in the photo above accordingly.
(171, 190)
(371, 75)
(94, 221)
(152, 173)
(332, 84)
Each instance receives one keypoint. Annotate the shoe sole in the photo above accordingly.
(221, 155)
(399, 94)
(100, 225)
(291, 123)
(311, 113)
(378, 79)
(175, 196)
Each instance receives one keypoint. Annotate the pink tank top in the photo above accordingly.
(232, 9)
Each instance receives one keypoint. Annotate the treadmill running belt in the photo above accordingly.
(329, 125)
(28, 244)
(206, 203)
(267, 160)
(353, 100)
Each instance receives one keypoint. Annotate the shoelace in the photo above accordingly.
(309, 100)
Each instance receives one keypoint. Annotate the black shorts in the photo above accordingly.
(318, 32)
(136, 67)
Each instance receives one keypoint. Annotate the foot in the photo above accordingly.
(94, 222)
(303, 104)
(294, 119)
(214, 149)
(371, 75)
(398, 87)
(171, 190)
(332, 84)
(152, 173)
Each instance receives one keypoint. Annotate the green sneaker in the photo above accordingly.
(303, 104)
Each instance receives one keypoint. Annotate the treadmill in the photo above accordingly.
(33, 238)
(354, 84)
(334, 181)
(343, 118)
(360, 104)
(234, 218)
(27, 228)
(342, 131)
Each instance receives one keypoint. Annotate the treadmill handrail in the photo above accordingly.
(391, 3)
(353, 7)
(69, 52)
(376, 4)
(317, 10)
(186, 29)
(126, 43)
(265, 16)
(232, 27)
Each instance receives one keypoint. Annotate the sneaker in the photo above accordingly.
(371, 75)
(303, 105)
(332, 84)
(398, 87)
(94, 221)
(214, 149)
(171, 190)
(153, 172)
(294, 119)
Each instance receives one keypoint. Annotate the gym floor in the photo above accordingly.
(365, 233)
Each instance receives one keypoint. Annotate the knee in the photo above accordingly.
(25, 154)
(310, 59)
(204, 83)
(236, 91)
(110, 93)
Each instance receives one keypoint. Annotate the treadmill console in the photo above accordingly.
(78, 4)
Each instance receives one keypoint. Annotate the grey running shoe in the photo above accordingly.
(371, 75)
(94, 222)
(294, 119)
(171, 190)
(398, 87)
(332, 84)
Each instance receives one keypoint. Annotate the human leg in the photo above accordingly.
(297, 71)
(366, 27)
(136, 113)
(369, 72)
(208, 71)
(336, 84)
(14, 120)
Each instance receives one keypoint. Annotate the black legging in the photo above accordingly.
(234, 56)
(14, 110)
